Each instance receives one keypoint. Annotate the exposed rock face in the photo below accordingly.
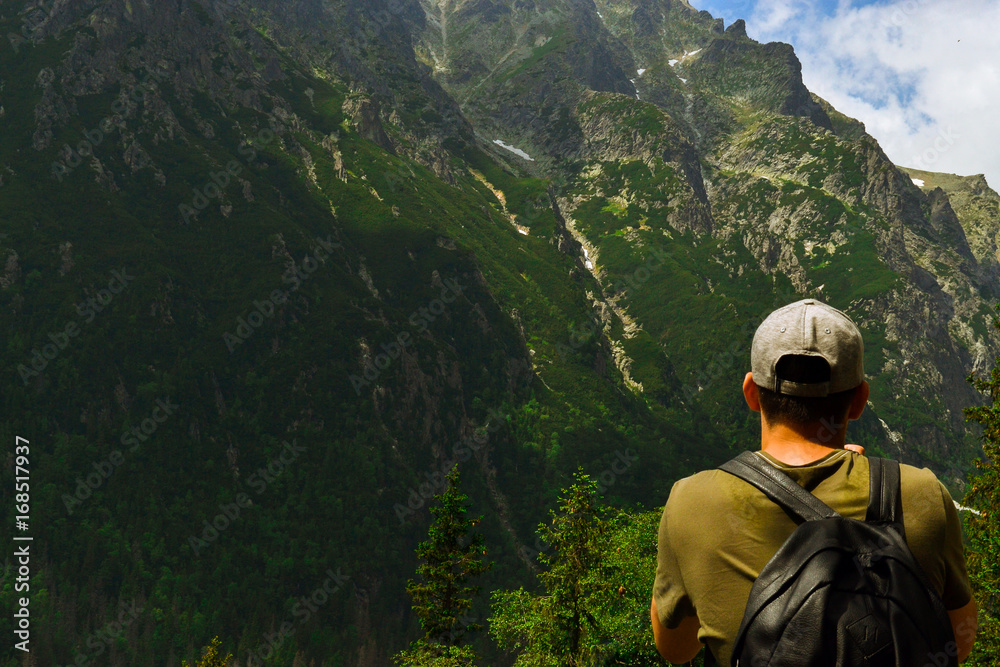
(364, 113)
(946, 230)
(667, 181)
(736, 65)
(738, 29)
(788, 191)
(11, 270)
(647, 116)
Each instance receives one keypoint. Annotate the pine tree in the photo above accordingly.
(983, 523)
(577, 538)
(595, 606)
(449, 557)
(559, 627)
(211, 657)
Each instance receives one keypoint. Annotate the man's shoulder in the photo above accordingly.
(707, 498)
(714, 483)
(697, 481)
(707, 486)
(917, 475)
(920, 480)
(923, 491)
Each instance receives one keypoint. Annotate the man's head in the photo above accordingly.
(807, 365)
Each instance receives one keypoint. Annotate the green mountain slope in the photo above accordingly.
(267, 273)
(718, 137)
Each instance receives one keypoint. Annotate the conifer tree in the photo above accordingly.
(211, 657)
(559, 628)
(442, 599)
(983, 523)
(594, 609)
(577, 539)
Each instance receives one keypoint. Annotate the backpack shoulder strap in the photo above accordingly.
(778, 486)
(884, 496)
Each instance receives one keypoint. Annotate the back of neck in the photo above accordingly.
(800, 444)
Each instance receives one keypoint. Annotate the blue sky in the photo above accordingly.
(923, 75)
(723, 8)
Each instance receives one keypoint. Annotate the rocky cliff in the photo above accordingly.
(355, 242)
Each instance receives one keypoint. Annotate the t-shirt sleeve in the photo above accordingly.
(957, 591)
(672, 601)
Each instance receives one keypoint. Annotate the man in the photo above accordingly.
(717, 531)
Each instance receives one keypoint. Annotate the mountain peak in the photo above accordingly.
(512, 234)
(737, 29)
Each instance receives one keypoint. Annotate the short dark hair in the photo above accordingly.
(785, 409)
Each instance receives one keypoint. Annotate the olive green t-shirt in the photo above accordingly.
(717, 533)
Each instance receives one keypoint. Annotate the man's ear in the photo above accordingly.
(750, 393)
(859, 401)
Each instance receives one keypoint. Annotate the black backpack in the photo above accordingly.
(840, 592)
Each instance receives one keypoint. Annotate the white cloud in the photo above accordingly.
(772, 15)
(923, 75)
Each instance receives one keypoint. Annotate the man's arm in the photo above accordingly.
(680, 644)
(964, 622)
(956, 579)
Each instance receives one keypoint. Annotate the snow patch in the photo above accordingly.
(683, 80)
(586, 259)
(521, 230)
(641, 70)
(918, 182)
(600, 14)
(686, 55)
(516, 151)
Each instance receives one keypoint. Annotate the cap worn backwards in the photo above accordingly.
(810, 328)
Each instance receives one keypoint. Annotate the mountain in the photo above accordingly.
(654, 121)
(269, 268)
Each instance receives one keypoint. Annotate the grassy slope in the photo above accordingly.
(163, 337)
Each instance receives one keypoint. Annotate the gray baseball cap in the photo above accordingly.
(811, 328)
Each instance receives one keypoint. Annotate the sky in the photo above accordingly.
(922, 75)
